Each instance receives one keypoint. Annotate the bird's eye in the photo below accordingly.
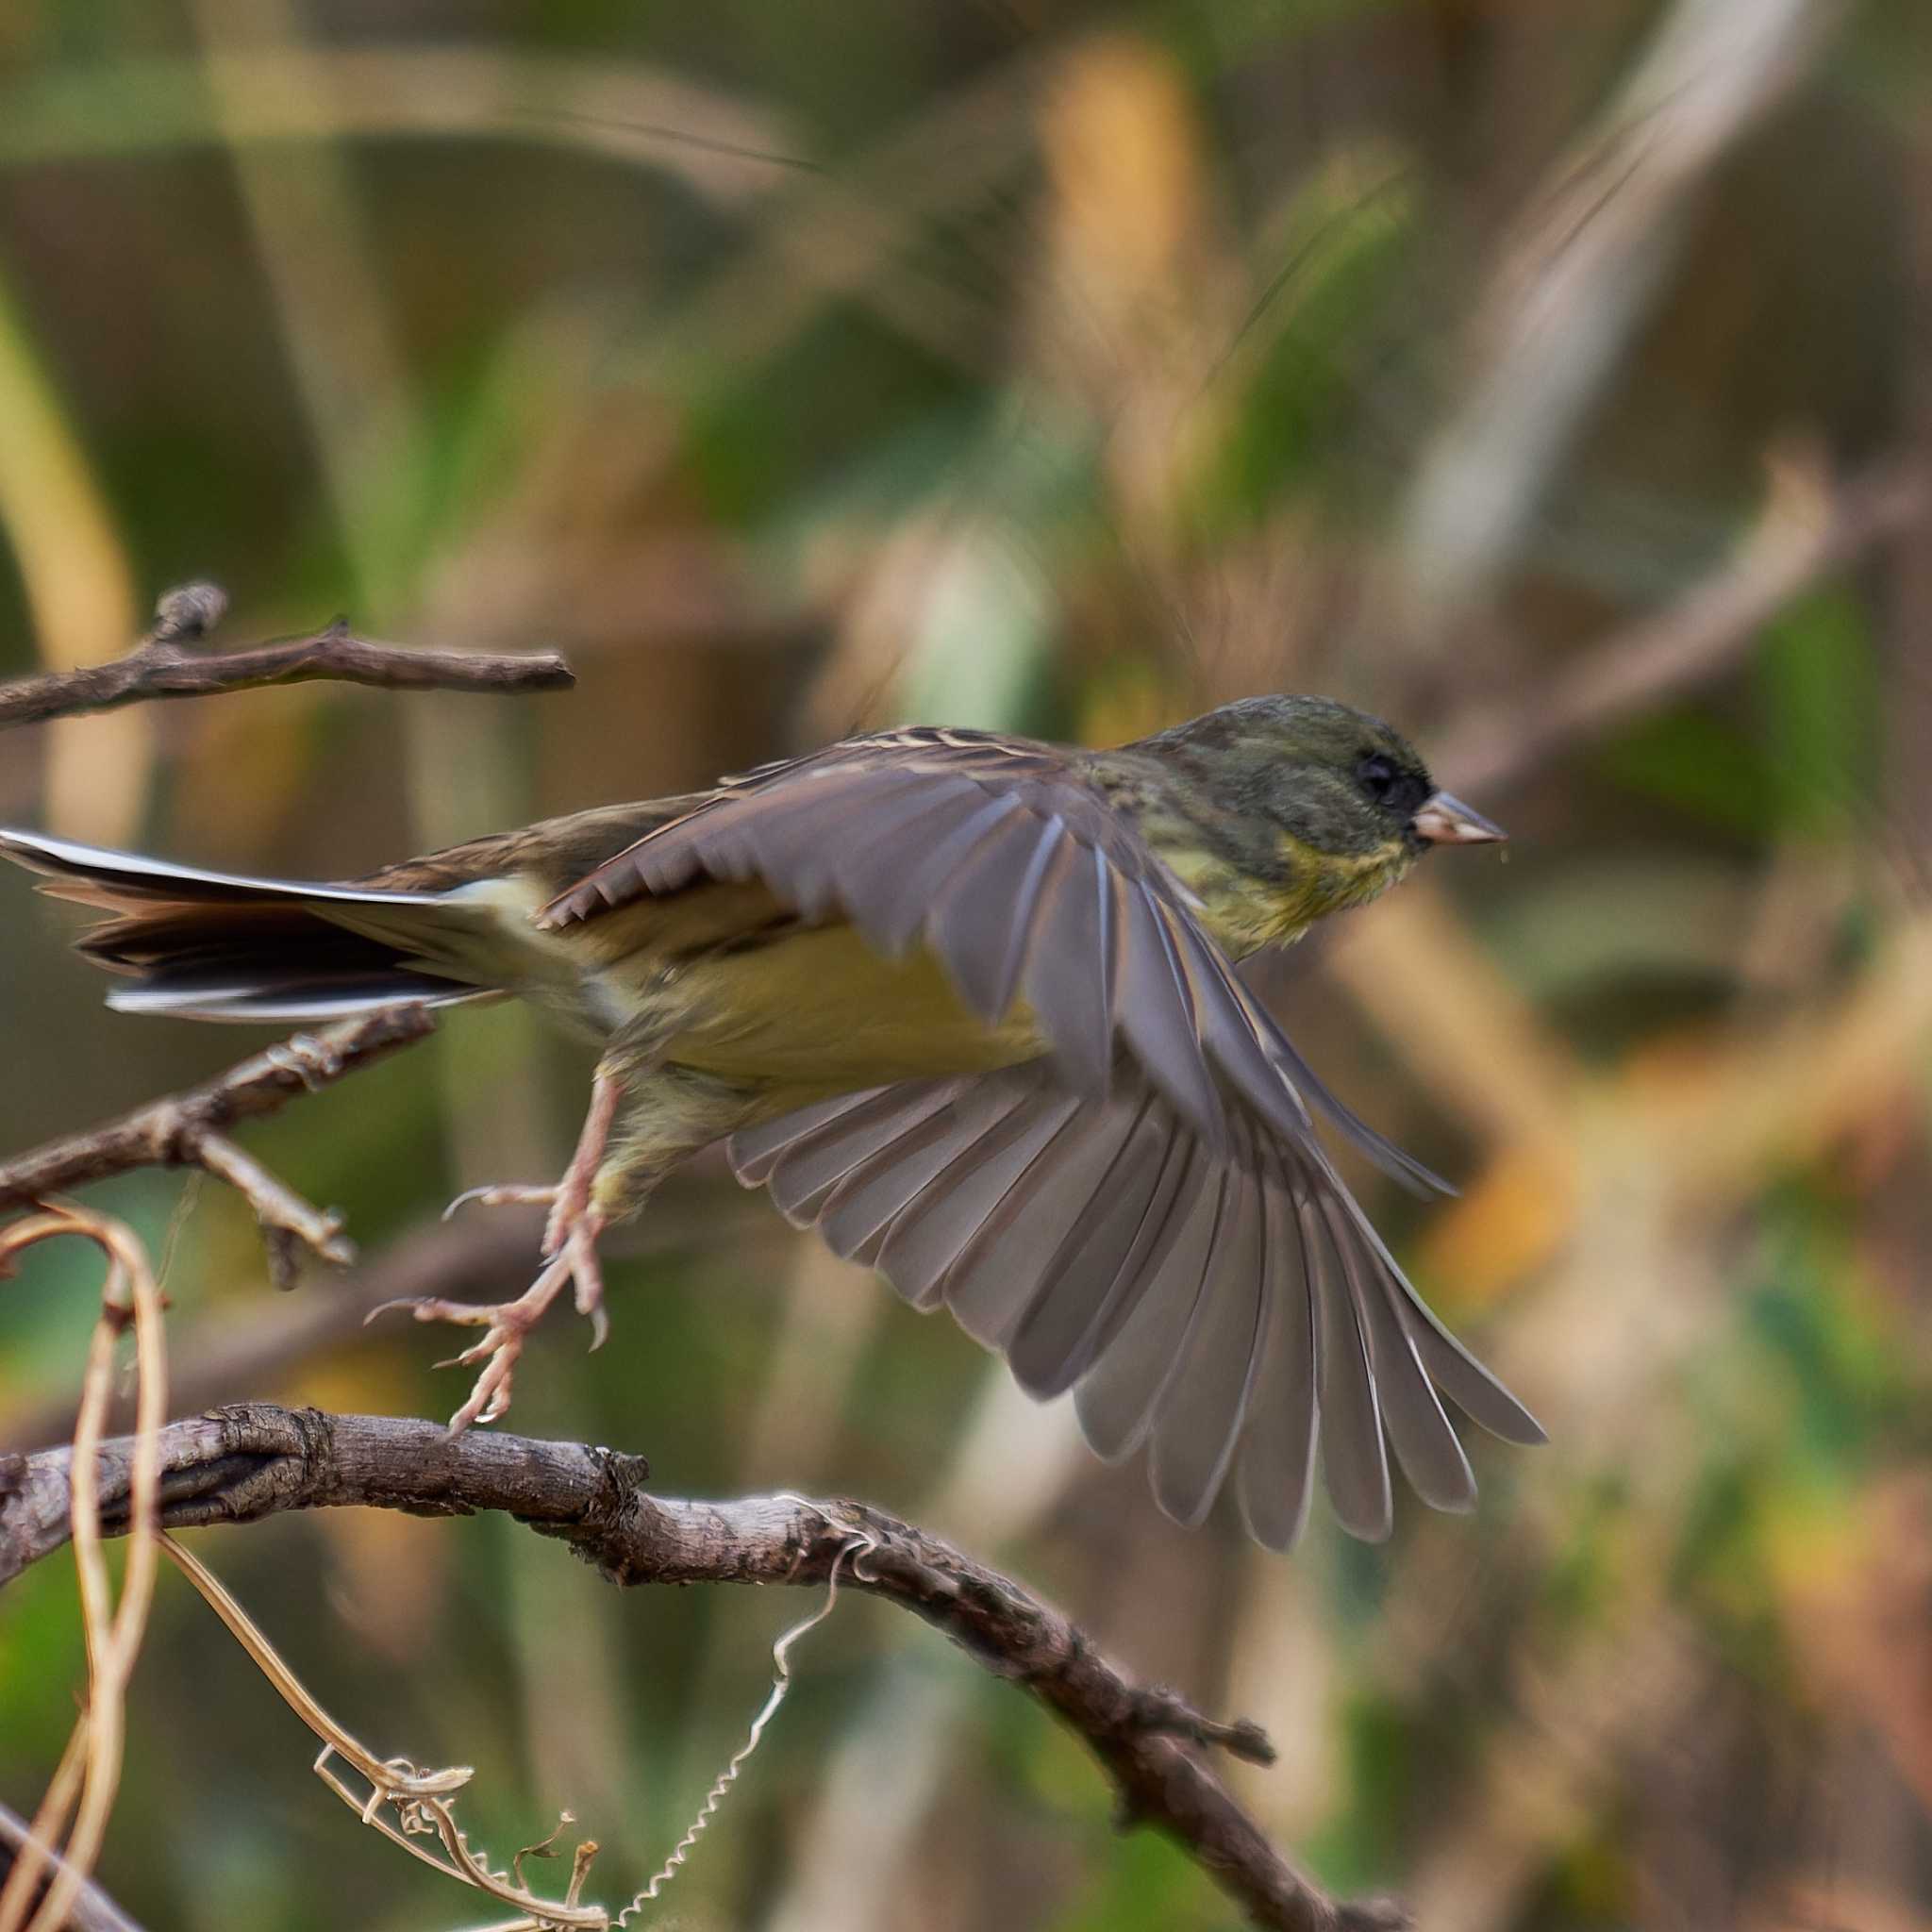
(1378, 776)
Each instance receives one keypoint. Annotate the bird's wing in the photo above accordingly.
(1024, 881)
(1231, 1310)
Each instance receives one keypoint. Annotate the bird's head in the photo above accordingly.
(1314, 796)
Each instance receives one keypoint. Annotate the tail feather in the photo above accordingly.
(108, 878)
(300, 998)
(211, 945)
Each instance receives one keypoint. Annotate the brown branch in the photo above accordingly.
(255, 1461)
(184, 1130)
(162, 665)
(1692, 642)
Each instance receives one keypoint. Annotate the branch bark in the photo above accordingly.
(92, 1910)
(184, 1130)
(257, 1460)
(162, 665)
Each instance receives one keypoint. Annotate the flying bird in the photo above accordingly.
(966, 1004)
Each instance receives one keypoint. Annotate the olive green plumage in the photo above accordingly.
(965, 1002)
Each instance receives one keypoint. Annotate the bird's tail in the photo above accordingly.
(211, 945)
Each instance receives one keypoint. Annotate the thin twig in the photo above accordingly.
(256, 1461)
(164, 665)
(184, 1130)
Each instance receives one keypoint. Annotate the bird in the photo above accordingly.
(967, 1003)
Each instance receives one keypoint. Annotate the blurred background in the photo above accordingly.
(1557, 381)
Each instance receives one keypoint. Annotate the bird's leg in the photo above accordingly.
(570, 1255)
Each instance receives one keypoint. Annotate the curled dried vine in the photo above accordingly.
(64, 1837)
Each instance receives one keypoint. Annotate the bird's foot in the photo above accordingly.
(571, 1258)
(570, 1255)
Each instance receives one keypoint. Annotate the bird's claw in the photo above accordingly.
(506, 1194)
(312, 1061)
(568, 1202)
(505, 1323)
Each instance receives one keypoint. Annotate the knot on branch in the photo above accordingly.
(187, 613)
(604, 1529)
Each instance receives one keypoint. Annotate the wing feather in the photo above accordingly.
(1160, 1015)
(1418, 1431)
(889, 891)
(1235, 1311)
(983, 921)
(1071, 973)
(1201, 1416)
(997, 1272)
(808, 1171)
(752, 1151)
(1117, 1403)
(1146, 1216)
(1276, 1478)
(928, 1235)
(1355, 1464)
(1105, 1260)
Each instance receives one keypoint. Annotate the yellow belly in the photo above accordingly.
(819, 1008)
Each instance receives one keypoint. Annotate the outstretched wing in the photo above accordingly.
(1026, 885)
(1231, 1310)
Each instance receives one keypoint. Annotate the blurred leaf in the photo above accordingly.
(1817, 688)
(1699, 764)
(1147, 1884)
(1360, 1845)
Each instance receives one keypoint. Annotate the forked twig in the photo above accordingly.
(186, 1131)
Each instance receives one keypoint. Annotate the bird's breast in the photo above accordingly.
(1276, 899)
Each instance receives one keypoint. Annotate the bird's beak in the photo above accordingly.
(1444, 820)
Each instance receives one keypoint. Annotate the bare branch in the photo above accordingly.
(164, 665)
(255, 1461)
(184, 1130)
